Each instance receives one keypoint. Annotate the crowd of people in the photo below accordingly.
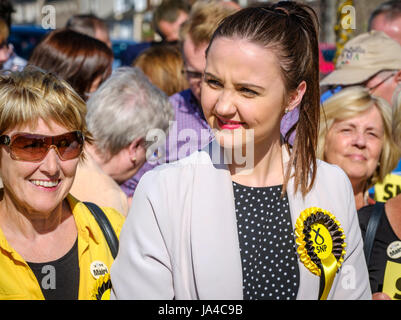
(216, 163)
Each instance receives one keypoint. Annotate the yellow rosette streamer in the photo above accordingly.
(103, 288)
(321, 245)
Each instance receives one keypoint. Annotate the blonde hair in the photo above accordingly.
(163, 65)
(32, 94)
(349, 103)
(397, 121)
(203, 20)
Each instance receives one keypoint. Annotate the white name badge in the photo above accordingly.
(394, 250)
(98, 269)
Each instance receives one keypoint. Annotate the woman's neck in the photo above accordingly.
(20, 222)
(267, 169)
(360, 193)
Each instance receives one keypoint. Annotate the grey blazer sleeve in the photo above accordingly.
(142, 268)
(353, 277)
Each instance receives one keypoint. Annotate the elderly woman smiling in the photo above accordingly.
(49, 241)
(355, 134)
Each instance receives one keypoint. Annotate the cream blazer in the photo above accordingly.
(180, 239)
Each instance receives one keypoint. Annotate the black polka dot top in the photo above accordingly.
(267, 246)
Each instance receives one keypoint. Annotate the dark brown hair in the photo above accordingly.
(6, 11)
(290, 30)
(75, 57)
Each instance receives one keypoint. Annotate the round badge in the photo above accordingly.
(394, 250)
(98, 269)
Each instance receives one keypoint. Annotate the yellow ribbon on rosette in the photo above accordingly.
(321, 244)
(102, 288)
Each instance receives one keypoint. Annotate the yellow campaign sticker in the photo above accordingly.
(390, 187)
(322, 241)
(392, 280)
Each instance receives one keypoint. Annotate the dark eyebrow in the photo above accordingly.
(241, 84)
(250, 85)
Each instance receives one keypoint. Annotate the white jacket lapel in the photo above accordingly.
(215, 245)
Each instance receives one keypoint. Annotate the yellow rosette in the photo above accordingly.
(321, 244)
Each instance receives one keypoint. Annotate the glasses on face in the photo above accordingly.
(193, 74)
(373, 88)
(34, 147)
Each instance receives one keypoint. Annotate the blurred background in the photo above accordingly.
(130, 21)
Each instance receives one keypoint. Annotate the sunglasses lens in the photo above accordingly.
(30, 147)
(69, 145)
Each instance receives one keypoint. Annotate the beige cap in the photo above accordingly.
(363, 57)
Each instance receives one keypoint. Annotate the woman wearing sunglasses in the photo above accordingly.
(51, 247)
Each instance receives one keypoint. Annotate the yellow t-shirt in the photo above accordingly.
(17, 280)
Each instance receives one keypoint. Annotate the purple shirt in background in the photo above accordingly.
(189, 133)
(287, 122)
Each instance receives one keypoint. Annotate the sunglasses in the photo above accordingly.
(34, 147)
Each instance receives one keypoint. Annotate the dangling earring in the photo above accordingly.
(286, 110)
(133, 159)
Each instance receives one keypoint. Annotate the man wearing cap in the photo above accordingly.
(372, 60)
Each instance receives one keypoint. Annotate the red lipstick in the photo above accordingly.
(229, 124)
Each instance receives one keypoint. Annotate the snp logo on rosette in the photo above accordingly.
(321, 244)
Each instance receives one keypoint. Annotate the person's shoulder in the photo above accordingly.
(80, 211)
(181, 98)
(116, 218)
(197, 157)
(330, 170)
(334, 180)
(93, 184)
(178, 170)
(364, 214)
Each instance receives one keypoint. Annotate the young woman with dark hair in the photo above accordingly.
(249, 216)
(83, 61)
